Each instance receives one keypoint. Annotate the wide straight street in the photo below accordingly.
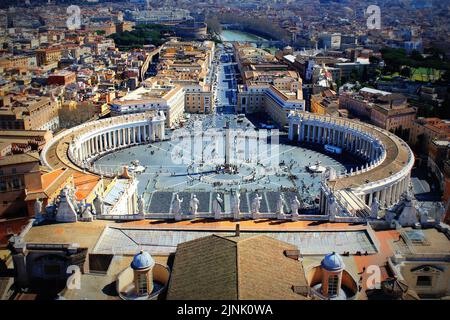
(225, 83)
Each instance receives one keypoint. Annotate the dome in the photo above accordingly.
(333, 262)
(143, 260)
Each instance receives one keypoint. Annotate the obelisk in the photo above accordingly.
(227, 144)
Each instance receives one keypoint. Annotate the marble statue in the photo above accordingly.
(408, 216)
(217, 207)
(80, 206)
(194, 204)
(92, 209)
(235, 205)
(295, 205)
(72, 192)
(389, 216)
(256, 205)
(331, 173)
(141, 205)
(439, 213)
(423, 216)
(37, 208)
(65, 211)
(176, 207)
(333, 209)
(86, 212)
(99, 204)
(374, 208)
(280, 208)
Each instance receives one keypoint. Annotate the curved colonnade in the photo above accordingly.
(384, 177)
(389, 160)
(77, 147)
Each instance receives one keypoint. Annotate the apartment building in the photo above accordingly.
(155, 94)
(269, 99)
(179, 87)
(48, 56)
(249, 58)
(425, 130)
(269, 86)
(438, 154)
(17, 173)
(198, 99)
(20, 141)
(393, 113)
(61, 78)
(15, 62)
(329, 40)
(186, 61)
(347, 68)
(30, 113)
(384, 109)
(325, 103)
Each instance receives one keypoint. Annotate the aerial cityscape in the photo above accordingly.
(224, 150)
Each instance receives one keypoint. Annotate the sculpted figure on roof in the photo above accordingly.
(176, 207)
(256, 205)
(217, 207)
(235, 205)
(194, 204)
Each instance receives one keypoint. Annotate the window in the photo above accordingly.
(142, 282)
(16, 183)
(333, 282)
(424, 281)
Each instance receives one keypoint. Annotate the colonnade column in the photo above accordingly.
(383, 198)
(162, 132)
(370, 199)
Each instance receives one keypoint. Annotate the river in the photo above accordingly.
(237, 35)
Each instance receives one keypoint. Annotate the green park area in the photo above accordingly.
(426, 74)
(143, 34)
(429, 67)
(417, 74)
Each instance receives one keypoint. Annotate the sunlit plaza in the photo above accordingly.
(168, 168)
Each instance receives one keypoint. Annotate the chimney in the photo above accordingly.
(292, 254)
(302, 290)
(238, 229)
(125, 173)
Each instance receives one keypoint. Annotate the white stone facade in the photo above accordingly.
(103, 139)
(94, 139)
(389, 160)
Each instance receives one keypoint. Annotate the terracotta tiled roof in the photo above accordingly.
(84, 184)
(50, 182)
(230, 268)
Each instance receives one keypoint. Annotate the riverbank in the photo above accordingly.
(238, 35)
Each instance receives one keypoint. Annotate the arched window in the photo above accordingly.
(333, 282)
(142, 283)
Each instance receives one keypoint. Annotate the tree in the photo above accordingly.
(420, 144)
(374, 60)
(354, 75)
(214, 25)
(446, 76)
(416, 55)
(141, 35)
(406, 72)
(444, 110)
